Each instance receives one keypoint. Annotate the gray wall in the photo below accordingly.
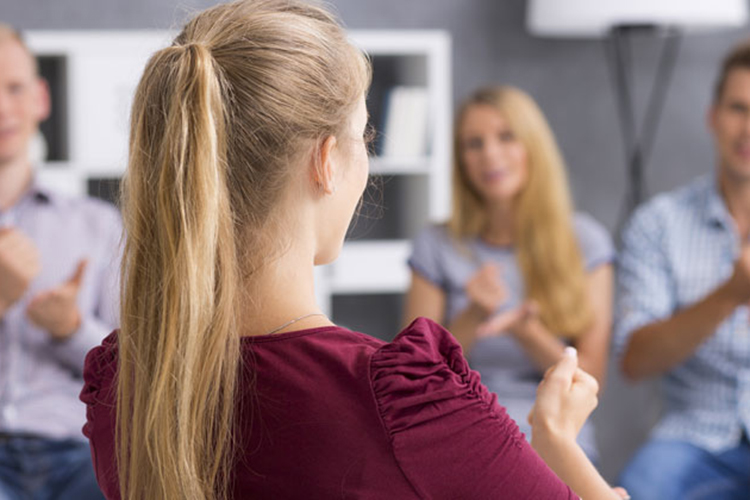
(568, 78)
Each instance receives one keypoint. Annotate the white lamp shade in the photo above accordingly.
(595, 18)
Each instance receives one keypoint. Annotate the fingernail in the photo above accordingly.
(571, 351)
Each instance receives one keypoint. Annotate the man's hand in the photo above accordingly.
(486, 289)
(738, 285)
(19, 265)
(56, 310)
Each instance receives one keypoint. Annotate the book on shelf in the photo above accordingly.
(405, 123)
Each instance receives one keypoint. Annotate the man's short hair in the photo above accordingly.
(8, 32)
(739, 57)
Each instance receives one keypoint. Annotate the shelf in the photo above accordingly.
(370, 267)
(61, 180)
(107, 169)
(380, 165)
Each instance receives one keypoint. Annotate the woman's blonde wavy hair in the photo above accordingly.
(217, 120)
(546, 247)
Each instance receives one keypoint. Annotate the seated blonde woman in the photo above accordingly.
(515, 274)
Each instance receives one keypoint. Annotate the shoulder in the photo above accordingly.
(434, 234)
(587, 227)
(99, 213)
(433, 252)
(594, 240)
(423, 365)
(434, 408)
(680, 201)
(98, 216)
(425, 341)
(660, 212)
(100, 369)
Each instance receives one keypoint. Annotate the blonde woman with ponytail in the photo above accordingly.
(247, 161)
(515, 274)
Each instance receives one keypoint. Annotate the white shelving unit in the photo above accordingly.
(99, 72)
(95, 76)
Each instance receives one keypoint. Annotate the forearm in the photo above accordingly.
(464, 326)
(660, 346)
(544, 348)
(569, 462)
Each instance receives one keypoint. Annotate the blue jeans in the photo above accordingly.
(665, 470)
(33, 468)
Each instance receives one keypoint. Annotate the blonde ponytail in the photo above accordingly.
(216, 118)
(179, 343)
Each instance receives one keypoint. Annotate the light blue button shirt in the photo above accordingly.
(40, 378)
(677, 249)
(505, 367)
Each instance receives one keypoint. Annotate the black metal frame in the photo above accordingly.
(638, 144)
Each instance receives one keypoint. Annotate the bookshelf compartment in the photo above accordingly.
(104, 188)
(54, 70)
(393, 207)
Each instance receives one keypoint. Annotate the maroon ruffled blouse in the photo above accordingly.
(338, 414)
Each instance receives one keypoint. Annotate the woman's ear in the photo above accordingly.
(323, 166)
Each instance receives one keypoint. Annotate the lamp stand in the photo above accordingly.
(637, 142)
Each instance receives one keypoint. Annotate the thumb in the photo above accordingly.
(622, 492)
(77, 278)
(566, 368)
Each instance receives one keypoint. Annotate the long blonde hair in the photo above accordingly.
(217, 119)
(546, 246)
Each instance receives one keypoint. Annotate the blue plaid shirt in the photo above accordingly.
(677, 249)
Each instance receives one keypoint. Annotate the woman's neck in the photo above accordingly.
(500, 227)
(280, 294)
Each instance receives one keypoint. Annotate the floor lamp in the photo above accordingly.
(617, 22)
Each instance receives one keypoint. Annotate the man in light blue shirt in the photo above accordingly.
(682, 314)
(58, 289)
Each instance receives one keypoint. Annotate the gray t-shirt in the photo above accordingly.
(505, 367)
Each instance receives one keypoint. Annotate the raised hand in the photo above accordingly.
(486, 289)
(56, 310)
(19, 265)
(564, 400)
(507, 321)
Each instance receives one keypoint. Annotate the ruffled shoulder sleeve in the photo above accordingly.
(99, 371)
(99, 395)
(449, 436)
